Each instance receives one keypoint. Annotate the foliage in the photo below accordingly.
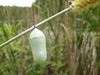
(64, 36)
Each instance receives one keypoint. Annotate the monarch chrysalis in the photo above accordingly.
(38, 45)
(81, 4)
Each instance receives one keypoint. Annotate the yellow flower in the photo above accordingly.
(83, 4)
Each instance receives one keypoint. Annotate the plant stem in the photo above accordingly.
(31, 28)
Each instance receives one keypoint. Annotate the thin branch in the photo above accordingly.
(31, 28)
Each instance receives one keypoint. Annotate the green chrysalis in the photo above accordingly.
(38, 45)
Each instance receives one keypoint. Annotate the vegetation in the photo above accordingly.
(73, 40)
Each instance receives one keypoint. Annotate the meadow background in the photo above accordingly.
(73, 40)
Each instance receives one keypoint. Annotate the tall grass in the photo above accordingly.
(72, 40)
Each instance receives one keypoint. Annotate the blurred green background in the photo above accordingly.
(73, 40)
